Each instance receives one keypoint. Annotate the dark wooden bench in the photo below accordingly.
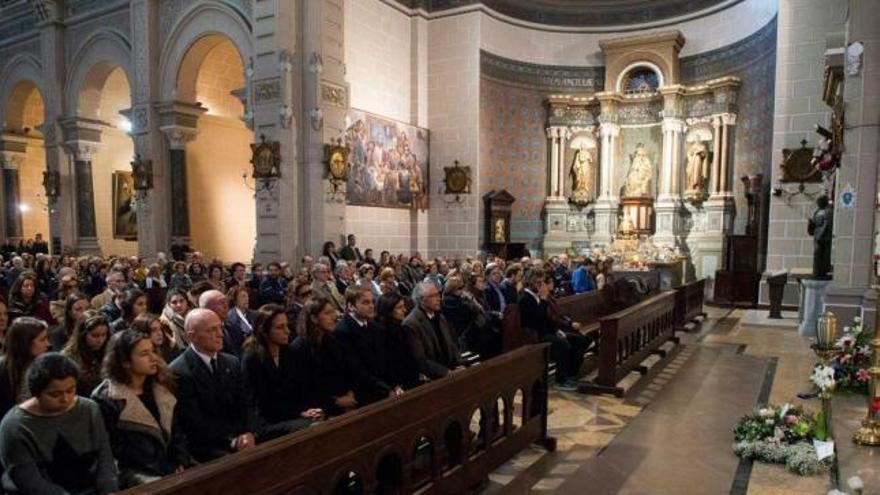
(428, 440)
(586, 308)
(689, 303)
(628, 337)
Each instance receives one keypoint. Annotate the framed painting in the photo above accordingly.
(124, 206)
(388, 162)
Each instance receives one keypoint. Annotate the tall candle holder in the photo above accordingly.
(869, 433)
(826, 332)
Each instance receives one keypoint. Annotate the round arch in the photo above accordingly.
(20, 68)
(192, 37)
(618, 83)
(96, 58)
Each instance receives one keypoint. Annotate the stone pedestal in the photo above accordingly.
(556, 237)
(668, 222)
(814, 301)
(605, 213)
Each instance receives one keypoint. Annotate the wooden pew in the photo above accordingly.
(422, 441)
(586, 308)
(628, 337)
(689, 303)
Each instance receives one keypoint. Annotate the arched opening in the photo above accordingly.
(422, 463)
(639, 78)
(536, 401)
(389, 475)
(452, 439)
(499, 420)
(104, 93)
(27, 212)
(518, 411)
(477, 432)
(222, 214)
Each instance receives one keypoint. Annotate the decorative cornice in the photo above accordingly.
(541, 77)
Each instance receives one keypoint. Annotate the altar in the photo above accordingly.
(645, 157)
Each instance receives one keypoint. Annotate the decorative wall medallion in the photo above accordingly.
(336, 159)
(457, 179)
(796, 165)
(267, 90)
(266, 159)
(333, 94)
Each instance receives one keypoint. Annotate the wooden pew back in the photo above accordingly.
(420, 441)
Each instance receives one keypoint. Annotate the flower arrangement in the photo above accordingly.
(853, 359)
(781, 435)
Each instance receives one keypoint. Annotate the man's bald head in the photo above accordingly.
(215, 301)
(204, 331)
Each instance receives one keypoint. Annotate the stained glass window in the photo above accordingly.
(641, 80)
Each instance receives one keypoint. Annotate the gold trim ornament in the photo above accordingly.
(797, 165)
(457, 179)
(266, 159)
(336, 159)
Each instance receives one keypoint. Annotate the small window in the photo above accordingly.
(641, 80)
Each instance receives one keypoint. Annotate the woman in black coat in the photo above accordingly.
(330, 385)
(464, 315)
(276, 380)
(400, 367)
(139, 410)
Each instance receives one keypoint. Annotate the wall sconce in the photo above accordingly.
(266, 161)
(52, 184)
(316, 115)
(142, 173)
(781, 191)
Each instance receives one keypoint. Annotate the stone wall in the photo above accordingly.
(800, 66)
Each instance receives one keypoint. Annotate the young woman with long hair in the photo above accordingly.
(75, 305)
(26, 339)
(25, 299)
(151, 325)
(138, 405)
(173, 315)
(86, 348)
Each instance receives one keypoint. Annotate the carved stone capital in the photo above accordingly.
(78, 129)
(11, 160)
(82, 151)
(178, 136)
(673, 125)
(728, 118)
(609, 129)
(178, 113)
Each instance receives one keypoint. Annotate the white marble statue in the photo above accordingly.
(638, 180)
(696, 162)
(582, 173)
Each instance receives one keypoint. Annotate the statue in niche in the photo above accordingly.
(638, 181)
(582, 173)
(819, 227)
(696, 158)
(499, 231)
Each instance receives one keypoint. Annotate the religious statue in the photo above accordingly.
(638, 181)
(696, 162)
(582, 173)
(820, 228)
(499, 231)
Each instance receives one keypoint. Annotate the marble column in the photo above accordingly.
(177, 137)
(81, 153)
(668, 207)
(553, 137)
(716, 155)
(556, 237)
(728, 121)
(605, 210)
(564, 136)
(10, 162)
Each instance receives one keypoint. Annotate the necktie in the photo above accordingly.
(214, 366)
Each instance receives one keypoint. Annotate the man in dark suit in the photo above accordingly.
(273, 287)
(428, 334)
(343, 278)
(233, 337)
(513, 275)
(566, 350)
(350, 252)
(365, 351)
(494, 296)
(214, 401)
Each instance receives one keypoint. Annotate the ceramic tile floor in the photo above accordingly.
(670, 433)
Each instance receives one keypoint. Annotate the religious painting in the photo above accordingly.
(124, 206)
(388, 162)
(498, 234)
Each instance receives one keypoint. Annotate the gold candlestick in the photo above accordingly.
(869, 433)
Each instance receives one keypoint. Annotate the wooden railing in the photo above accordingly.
(587, 308)
(628, 337)
(443, 437)
(689, 302)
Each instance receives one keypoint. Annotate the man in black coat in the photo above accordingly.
(213, 397)
(430, 339)
(566, 350)
(233, 337)
(365, 349)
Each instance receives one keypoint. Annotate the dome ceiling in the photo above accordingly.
(578, 13)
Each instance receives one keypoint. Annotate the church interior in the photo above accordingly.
(439, 246)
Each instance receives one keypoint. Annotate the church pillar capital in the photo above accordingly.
(11, 160)
(609, 129)
(672, 124)
(81, 150)
(178, 136)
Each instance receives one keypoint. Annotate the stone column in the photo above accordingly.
(81, 153)
(715, 188)
(606, 207)
(564, 136)
(668, 206)
(553, 136)
(178, 122)
(728, 121)
(10, 163)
